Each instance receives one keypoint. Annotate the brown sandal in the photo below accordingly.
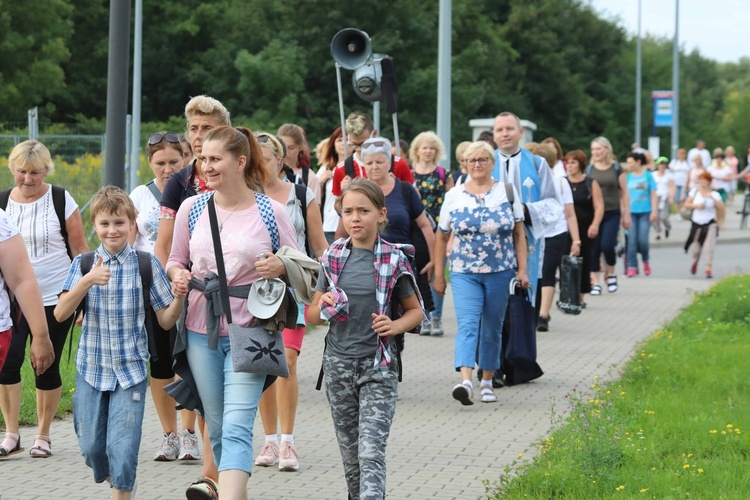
(5, 452)
(42, 447)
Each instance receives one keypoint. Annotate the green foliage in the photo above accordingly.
(674, 426)
(554, 62)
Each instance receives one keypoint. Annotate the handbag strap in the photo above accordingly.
(219, 255)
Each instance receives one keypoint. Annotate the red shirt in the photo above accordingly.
(401, 170)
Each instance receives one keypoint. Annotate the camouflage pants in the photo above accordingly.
(363, 402)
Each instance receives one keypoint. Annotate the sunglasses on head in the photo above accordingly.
(266, 139)
(375, 144)
(170, 137)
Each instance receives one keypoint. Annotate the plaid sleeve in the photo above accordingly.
(161, 288)
(73, 277)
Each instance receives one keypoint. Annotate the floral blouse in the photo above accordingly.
(483, 229)
(431, 188)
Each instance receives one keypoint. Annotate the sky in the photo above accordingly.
(717, 28)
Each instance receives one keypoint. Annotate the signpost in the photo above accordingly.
(663, 104)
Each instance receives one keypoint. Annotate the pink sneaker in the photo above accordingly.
(632, 272)
(646, 269)
(269, 455)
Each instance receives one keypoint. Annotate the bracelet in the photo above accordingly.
(577, 242)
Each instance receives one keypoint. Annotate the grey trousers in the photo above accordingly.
(363, 402)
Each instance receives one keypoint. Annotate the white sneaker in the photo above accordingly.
(488, 395)
(269, 455)
(189, 446)
(288, 457)
(464, 393)
(169, 449)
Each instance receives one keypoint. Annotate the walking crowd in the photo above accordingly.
(213, 321)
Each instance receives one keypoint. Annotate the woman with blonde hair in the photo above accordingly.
(50, 224)
(432, 182)
(611, 178)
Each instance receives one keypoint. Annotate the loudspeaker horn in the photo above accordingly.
(351, 48)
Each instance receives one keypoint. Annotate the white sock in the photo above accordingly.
(467, 382)
(272, 438)
(288, 437)
(485, 383)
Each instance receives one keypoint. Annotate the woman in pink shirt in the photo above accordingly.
(233, 164)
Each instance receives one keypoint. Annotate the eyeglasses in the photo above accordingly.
(356, 145)
(169, 136)
(480, 161)
(266, 139)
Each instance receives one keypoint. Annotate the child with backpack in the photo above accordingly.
(113, 351)
(362, 274)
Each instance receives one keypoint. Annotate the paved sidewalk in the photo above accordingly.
(437, 448)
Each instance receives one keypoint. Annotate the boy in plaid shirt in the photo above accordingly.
(113, 350)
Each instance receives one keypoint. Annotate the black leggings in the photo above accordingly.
(164, 340)
(58, 332)
(554, 250)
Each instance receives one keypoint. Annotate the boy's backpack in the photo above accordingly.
(58, 202)
(146, 272)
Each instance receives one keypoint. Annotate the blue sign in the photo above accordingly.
(663, 108)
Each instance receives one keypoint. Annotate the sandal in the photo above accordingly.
(596, 290)
(13, 440)
(612, 283)
(42, 447)
(203, 489)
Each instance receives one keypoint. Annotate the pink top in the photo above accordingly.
(243, 236)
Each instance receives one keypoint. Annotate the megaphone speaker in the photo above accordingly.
(351, 48)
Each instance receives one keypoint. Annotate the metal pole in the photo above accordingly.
(395, 136)
(676, 82)
(33, 115)
(341, 109)
(135, 134)
(444, 79)
(376, 116)
(638, 81)
(117, 91)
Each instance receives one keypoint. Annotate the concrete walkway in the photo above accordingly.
(437, 448)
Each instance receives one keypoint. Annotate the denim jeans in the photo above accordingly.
(482, 297)
(108, 425)
(638, 238)
(230, 401)
(437, 301)
(606, 241)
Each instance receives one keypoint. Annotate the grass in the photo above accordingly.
(676, 424)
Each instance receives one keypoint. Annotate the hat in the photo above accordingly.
(662, 159)
(265, 297)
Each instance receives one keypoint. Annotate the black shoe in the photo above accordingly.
(666, 232)
(543, 324)
(497, 379)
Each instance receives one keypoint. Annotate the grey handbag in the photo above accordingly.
(254, 349)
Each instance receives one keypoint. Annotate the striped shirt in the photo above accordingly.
(113, 348)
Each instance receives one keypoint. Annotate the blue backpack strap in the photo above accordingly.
(197, 209)
(266, 213)
(588, 169)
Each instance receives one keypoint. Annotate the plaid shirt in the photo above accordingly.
(390, 264)
(114, 347)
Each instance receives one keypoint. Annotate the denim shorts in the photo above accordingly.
(108, 425)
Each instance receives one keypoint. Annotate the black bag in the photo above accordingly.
(570, 285)
(519, 356)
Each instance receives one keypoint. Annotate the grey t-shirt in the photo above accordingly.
(355, 338)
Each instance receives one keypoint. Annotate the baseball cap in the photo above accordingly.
(662, 159)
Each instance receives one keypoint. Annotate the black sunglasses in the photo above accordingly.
(170, 137)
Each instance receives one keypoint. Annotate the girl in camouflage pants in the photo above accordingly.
(360, 275)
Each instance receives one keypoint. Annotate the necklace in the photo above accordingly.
(221, 224)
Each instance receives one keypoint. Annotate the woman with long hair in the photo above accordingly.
(233, 164)
(331, 154)
(297, 160)
(608, 173)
